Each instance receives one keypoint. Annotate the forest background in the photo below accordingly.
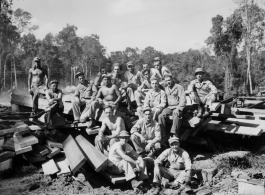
(234, 58)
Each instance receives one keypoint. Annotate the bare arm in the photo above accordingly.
(102, 129)
(118, 130)
(59, 98)
(118, 94)
(48, 96)
(46, 79)
(99, 94)
(125, 157)
(29, 79)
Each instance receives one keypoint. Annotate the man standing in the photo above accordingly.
(123, 159)
(179, 165)
(36, 83)
(84, 94)
(155, 99)
(146, 134)
(202, 92)
(111, 97)
(112, 125)
(54, 97)
(176, 100)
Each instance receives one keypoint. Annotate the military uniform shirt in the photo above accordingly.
(155, 99)
(176, 97)
(178, 160)
(149, 131)
(80, 90)
(202, 88)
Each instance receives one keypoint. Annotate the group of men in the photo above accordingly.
(157, 97)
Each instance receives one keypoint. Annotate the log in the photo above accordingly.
(94, 157)
(74, 155)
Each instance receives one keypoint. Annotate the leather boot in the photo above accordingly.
(200, 111)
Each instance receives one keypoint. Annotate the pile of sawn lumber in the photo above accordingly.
(37, 145)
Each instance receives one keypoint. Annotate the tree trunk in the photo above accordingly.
(0, 70)
(15, 72)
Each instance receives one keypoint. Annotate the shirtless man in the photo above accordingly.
(36, 83)
(112, 125)
(111, 97)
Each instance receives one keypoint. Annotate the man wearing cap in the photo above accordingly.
(111, 97)
(146, 134)
(133, 79)
(123, 159)
(84, 94)
(37, 82)
(54, 97)
(145, 86)
(155, 99)
(176, 100)
(179, 165)
(202, 92)
(112, 125)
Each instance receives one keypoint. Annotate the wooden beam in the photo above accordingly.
(214, 106)
(27, 141)
(6, 165)
(5, 155)
(53, 152)
(115, 179)
(93, 131)
(54, 144)
(252, 111)
(232, 129)
(94, 157)
(202, 125)
(49, 167)
(74, 155)
(258, 103)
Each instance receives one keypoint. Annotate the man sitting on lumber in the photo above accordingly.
(202, 92)
(123, 159)
(179, 168)
(176, 99)
(146, 134)
(155, 99)
(110, 124)
(84, 94)
(54, 97)
(140, 93)
(108, 95)
(37, 82)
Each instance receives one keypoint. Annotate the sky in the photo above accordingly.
(167, 25)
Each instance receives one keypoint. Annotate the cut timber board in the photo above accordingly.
(115, 179)
(49, 167)
(93, 131)
(248, 123)
(53, 152)
(5, 155)
(252, 111)
(54, 144)
(63, 165)
(232, 129)
(5, 165)
(36, 127)
(20, 129)
(94, 157)
(203, 124)
(74, 155)
(27, 141)
(215, 106)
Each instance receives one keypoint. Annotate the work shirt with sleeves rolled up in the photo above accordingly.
(90, 92)
(202, 88)
(80, 90)
(134, 78)
(176, 97)
(178, 160)
(154, 99)
(150, 131)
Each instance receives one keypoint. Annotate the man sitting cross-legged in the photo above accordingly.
(111, 97)
(155, 99)
(111, 123)
(146, 134)
(123, 159)
(179, 168)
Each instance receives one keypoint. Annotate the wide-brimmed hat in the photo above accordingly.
(124, 134)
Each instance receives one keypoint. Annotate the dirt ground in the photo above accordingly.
(219, 173)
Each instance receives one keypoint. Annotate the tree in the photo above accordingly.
(5, 11)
